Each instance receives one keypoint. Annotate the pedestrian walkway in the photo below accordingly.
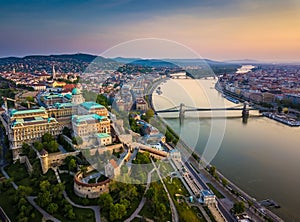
(31, 199)
(216, 213)
(175, 216)
(96, 209)
(142, 203)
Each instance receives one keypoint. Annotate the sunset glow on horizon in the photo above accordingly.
(267, 30)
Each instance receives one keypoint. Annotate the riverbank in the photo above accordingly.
(243, 152)
(282, 119)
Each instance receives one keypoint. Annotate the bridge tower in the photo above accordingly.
(245, 112)
(181, 112)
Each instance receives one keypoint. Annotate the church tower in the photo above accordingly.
(53, 72)
(77, 97)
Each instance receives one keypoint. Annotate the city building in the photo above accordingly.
(88, 125)
(57, 84)
(295, 99)
(175, 155)
(89, 190)
(92, 107)
(207, 197)
(104, 139)
(141, 104)
(28, 126)
(39, 87)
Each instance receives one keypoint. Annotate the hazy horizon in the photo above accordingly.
(162, 58)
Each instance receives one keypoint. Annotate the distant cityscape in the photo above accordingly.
(66, 142)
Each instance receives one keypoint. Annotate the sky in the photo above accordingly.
(267, 30)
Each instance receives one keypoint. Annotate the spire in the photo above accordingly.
(53, 72)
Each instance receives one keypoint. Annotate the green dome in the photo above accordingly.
(76, 91)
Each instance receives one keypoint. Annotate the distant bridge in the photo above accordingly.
(181, 109)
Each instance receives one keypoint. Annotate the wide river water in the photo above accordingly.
(262, 157)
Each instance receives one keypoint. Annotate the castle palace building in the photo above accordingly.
(87, 125)
(56, 112)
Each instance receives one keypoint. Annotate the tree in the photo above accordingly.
(32, 154)
(124, 169)
(29, 99)
(52, 208)
(38, 146)
(24, 191)
(212, 171)
(44, 198)
(224, 182)
(238, 208)
(22, 202)
(83, 170)
(101, 99)
(149, 113)
(133, 125)
(105, 201)
(72, 165)
(117, 211)
(45, 185)
(67, 131)
(71, 214)
(47, 137)
(25, 149)
(57, 191)
(51, 146)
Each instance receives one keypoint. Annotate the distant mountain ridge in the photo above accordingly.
(82, 57)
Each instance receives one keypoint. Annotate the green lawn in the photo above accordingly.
(176, 187)
(215, 191)
(147, 210)
(82, 215)
(185, 212)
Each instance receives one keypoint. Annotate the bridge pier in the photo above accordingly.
(245, 112)
(181, 113)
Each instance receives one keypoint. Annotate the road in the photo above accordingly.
(225, 213)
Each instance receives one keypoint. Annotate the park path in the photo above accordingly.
(143, 201)
(96, 209)
(175, 216)
(30, 199)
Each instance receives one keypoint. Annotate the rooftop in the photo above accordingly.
(76, 91)
(31, 121)
(88, 118)
(102, 135)
(52, 96)
(63, 105)
(207, 193)
(91, 105)
(68, 96)
(27, 111)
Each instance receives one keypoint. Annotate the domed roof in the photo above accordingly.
(76, 91)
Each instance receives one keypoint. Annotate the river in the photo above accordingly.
(262, 157)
